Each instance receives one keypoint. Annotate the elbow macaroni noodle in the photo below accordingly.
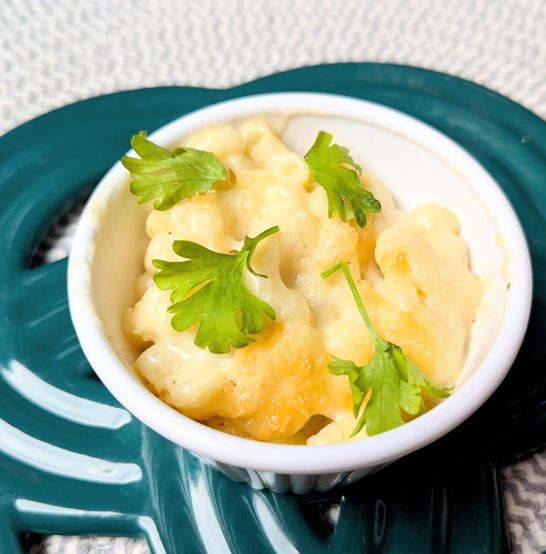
(411, 270)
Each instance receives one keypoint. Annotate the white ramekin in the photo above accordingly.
(289, 467)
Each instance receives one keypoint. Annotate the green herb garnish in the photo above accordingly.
(169, 177)
(394, 382)
(228, 312)
(335, 171)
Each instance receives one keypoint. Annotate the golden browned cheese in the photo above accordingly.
(411, 269)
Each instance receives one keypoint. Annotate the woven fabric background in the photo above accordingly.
(53, 52)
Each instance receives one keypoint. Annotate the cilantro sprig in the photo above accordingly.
(335, 171)
(169, 177)
(228, 312)
(393, 382)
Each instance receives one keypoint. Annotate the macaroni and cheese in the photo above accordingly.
(411, 270)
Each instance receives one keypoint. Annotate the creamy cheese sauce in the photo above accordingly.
(411, 269)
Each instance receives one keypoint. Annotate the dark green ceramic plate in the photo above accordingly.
(72, 461)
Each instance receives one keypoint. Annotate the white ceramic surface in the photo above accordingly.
(418, 164)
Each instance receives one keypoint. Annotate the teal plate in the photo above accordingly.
(72, 461)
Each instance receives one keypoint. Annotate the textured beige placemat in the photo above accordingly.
(56, 52)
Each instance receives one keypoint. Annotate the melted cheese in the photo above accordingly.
(411, 270)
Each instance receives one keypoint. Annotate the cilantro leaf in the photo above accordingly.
(335, 171)
(392, 382)
(228, 313)
(169, 177)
